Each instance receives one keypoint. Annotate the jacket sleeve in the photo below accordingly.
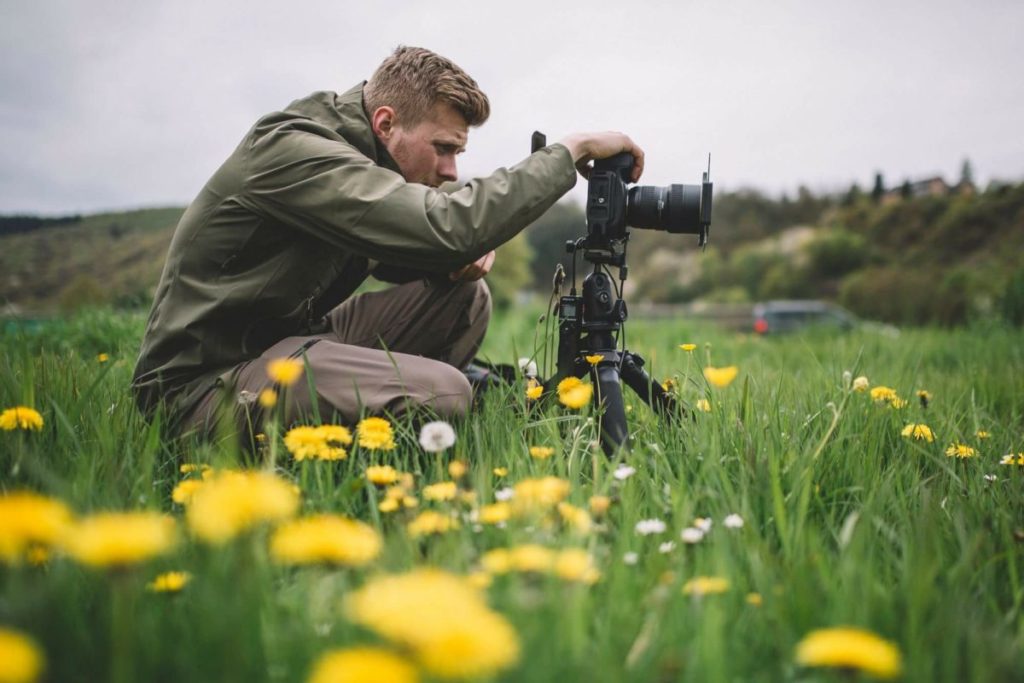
(327, 188)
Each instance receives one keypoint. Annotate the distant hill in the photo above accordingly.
(941, 257)
(63, 264)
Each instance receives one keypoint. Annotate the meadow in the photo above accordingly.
(839, 480)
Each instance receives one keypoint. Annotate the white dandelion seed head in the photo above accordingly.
(437, 436)
(623, 472)
(630, 558)
(528, 367)
(246, 398)
(691, 535)
(504, 494)
(733, 521)
(646, 527)
(666, 547)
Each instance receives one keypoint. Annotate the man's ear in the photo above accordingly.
(383, 122)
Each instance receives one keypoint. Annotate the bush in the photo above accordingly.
(890, 294)
(835, 253)
(1011, 303)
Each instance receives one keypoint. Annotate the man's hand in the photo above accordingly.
(475, 270)
(586, 147)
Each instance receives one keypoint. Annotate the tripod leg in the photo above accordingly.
(614, 430)
(645, 386)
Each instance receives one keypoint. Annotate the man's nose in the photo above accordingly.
(447, 170)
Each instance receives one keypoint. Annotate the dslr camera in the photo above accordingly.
(612, 206)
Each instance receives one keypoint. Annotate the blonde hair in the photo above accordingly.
(413, 79)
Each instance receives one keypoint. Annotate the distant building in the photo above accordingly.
(935, 186)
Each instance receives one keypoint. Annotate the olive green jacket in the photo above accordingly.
(294, 221)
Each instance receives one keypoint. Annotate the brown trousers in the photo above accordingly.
(386, 351)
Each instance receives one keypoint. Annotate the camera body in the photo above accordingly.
(613, 206)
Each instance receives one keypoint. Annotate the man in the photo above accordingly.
(315, 199)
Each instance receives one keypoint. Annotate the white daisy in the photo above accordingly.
(623, 472)
(691, 535)
(733, 521)
(666, 547)
(646, 527)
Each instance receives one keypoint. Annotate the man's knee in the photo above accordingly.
(437, 386)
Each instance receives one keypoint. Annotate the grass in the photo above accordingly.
(846, 521)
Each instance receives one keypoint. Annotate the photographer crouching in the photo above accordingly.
(316, 198)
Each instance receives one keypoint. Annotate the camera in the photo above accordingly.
(612, 207)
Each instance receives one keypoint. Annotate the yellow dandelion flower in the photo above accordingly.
(897, 403)
(599, 505)
(362, 665)
(381, 475)
(440, 491)
(534, 390)
(754, 599)
(861, 384)
(102, 358)
(389, 505)
(467, 498)
(924, 397)
(441, 619)
(595, 359)
(21, 659)
(538, 495)
(982, 434)
(573, 393)
(575, 518)
(541, 452)
(335, 439)
(688, 347)
(850, 648)
(169, 582)
(500, 471)
(495, 513)
(375, 434)
(575, 564)
(431, 522)
(706, 585)
(189, 468)
(21, 417)
(119, 539)
(184, 491)
(457, 469)
(234, 502)
(29, 520)
(721, 377)
(918, 432)
(326, 442)
(703, 405)
(960, 450)
(882, 394)
(669, 385)
(531, 557)
(330, 539)
(268, 398)
(497, 561)
(1010, 459)
(285, 371)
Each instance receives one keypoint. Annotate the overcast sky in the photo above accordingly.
(107, 104)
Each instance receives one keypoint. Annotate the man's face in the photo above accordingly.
(426, 151)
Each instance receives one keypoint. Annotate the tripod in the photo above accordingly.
(589, 325)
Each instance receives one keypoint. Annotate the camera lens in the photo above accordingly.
(673, 208)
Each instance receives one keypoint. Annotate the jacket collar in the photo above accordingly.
(346, 115)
